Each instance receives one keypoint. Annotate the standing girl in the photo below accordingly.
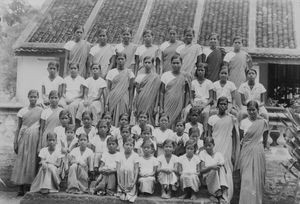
(223, 129)
(147, 168)
(65, 119)
(127, 47)
(87, 128)
(125, 133)
(213, 57)
(167, 169)
(127, 171)
(81, 164)
(25, 144)
(193, 118)
(213, 171)
(181, 138)
(78, 50)
(142, 123)
(252, 159)
(123, 121)
(102, 54)
(175, 91)
(147, 90)
(162, 133)
(191, 53)
(49, 119)
(120, 88)
(47, 180)
(146, 134)
(189, 170)
(147, 49)
(168, 48)
(194, 134)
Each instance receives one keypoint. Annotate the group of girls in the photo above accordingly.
(203, 151)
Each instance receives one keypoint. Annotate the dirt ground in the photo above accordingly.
(9, 198)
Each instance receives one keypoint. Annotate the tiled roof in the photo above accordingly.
(274, 24)
(225, 17)
(58, 23)
(114, 15)
(168, 13)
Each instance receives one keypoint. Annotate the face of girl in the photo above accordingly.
(64, 120)
(83, 142)
(51, 141)
(147, 150)
(33, 97)
(74, 71)
(102, 129)
(200, 72)
(237, 44)
(209, 148)
(168, 148)
(148, 64)
(102, 38)
(143, 119)
(176, 65)
(194, 118)
(147, 38)
(125, 132)
(86, 120)
(95, 70)
(188, 37)
(179, 127)
(194, 136)
(189, 151)
(112, 146)
(52, 70)
(223, 105)
(78, 34)
(108, 119)
(128, 147)
(223, 75)
(126, 36)
(251, 75)
(252, 111)
(121, 61)
(163, 122)
(147, 133)
(53, 99)
(70, 133)
(213, 41)
(123, 121)
(172, 35)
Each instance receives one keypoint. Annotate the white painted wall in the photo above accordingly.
(31, 70)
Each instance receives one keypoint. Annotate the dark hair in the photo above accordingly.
(193, 143)
(194, 129)
(87, 113)
(180, 121)
(73, 64)
(70, 128)
(253, 103)
(53, 93)
(147, 127)
(124, 115)
(65, 113)
(221, 99)
(77, 27)
(33, 91)
(106, 113)
(189, 29)
(209, 140)
(99, 123)
(164, 115)
(102, 30)
(147, 32)
(176, 56)
(201, 65)
(54, 63)
(237, 38)
(251, 69)
(168, 141)
(121, 54)
(148, 58)
(194, 110)
(125, 127)
(224, 67)
(83, 135)
(98, 65)
(49, 134)
(147, 142)
(112, 139)
(143, 113)
(214, 34)
(128, 139)
(126, 29)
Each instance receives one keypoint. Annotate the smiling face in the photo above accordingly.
(168, 148)
(252, 112)
(126, 36)
(213, 41)
(143, 119)
(33, 97)
(188, 37)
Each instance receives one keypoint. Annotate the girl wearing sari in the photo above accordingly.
(252, 158)
(213, 57)
(223, 129)
(102, 54)
(168, 49)
(191, 53)
(147, 89)
(25, 144)
(239, 62)
(49, 119)
(127, 47)
(78, 51)
(175, 90)
(120, 88)
(148, 49)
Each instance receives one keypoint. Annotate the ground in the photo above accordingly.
(9, 198)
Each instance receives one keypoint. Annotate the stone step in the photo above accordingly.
(64, 198)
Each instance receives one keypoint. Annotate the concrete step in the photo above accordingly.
(64, 198)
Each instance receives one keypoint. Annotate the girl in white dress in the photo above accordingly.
(87, 127)
(181, 138)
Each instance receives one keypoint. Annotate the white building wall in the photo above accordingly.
(31, 70)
